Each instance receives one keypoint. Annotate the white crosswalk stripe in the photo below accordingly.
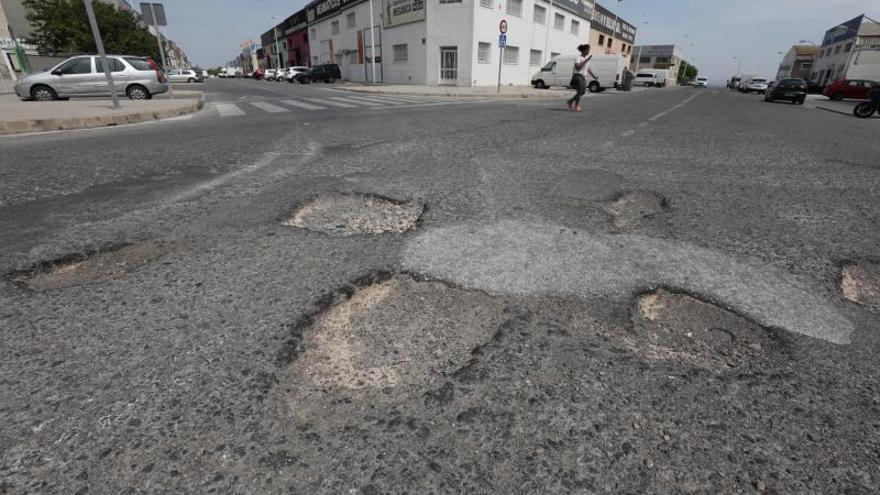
(229, 110)
(362, 103)
(331, 103)
(302, 104)
(268, 107)
(399, 98)
(375, 99)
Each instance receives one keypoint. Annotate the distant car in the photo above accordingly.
(793, 90)
(269, 74)
(327, 73)
(702, 82)
(139, 78)
(290, 74)
(185, 75)
(857, 89)
(257, 74)
(755, 85)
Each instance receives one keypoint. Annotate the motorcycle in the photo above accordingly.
(866, 109)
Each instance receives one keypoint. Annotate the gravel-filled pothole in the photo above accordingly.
(88, 267)
(860, 282)
(353, 214)
(397, 332)
(629, 208)
(677, 326)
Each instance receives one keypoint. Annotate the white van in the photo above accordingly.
(607, 68)
(652, 78)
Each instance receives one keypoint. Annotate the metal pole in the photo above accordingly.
(97, 33)
(372, 43)
(500, 58)
(161, 49)
(639, 54)
(277, 51)
(546, 38)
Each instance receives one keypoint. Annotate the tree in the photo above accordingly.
(61, 26)
(687, 71)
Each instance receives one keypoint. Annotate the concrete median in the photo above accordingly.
(18, 117)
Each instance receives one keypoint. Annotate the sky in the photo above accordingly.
(210, 31)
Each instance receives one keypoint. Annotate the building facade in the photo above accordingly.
(611, 34)
(658, 57)
(445, 42)
(798, 62)
(850, 50)
(296, 39)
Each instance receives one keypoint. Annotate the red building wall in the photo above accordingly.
(298, 48)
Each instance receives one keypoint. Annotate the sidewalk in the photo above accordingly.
(823, 103)
(507, 92)
(17, 117)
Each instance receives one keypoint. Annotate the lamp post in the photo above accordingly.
(275, 33)
(738, 67)
(639, 54)
(372, 43)
(547, 34)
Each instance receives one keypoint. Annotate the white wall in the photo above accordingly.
(448, 25)
(346, 40)
(413, 71)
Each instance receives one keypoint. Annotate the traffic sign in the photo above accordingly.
(502, 40)
(503, 26)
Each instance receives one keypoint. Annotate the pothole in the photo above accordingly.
(353, 214)
(860, 283)
(629, 208)
(675, 326)
(88, 267)
(396, 332)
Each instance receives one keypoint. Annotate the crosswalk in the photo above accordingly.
(313, 104)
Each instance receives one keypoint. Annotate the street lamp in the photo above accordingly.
(639, 53)
(738, 67)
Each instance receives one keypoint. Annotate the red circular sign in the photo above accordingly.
(503, 26)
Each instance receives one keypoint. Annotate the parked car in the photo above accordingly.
(184, 75)
(733, 83)
(814, 88)
(755, 85)
(793, 90)
(607, 68)
(257, 74)
(327, 73)
(857, 89)
(290, 74)
(269, 74)
(137, 77)
(702, 82)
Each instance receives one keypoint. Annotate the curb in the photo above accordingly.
(45, 125)
(501, 96)
(833, 110)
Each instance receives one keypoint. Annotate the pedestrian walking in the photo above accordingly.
(579, 79)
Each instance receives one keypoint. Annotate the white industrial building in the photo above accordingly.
(445, 42)
(849, 51)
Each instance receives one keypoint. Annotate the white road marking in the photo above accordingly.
(376, 100)
(676, 107)
(268, 107)
(364, 103)
(323, 101)
(302, 104)
(229, 110)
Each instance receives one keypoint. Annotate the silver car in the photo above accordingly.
(139, 78)
(185, 75)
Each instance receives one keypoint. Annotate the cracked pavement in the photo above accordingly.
(575, 311)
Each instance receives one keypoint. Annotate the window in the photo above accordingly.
(837, 49)
(575, 27)
(554, 55)
(81, 65)
(806, 65)
(312, 33)
(353, 57)
(511, 55)
(535, 57)
(514, 7)
(610, 42)
(662, 60)
(450, 1)
(487, 3)
(115, 66)
(484, 53)
(350, 20)
(334, 27)
(601, 40)
(400, 54)
(848, 47)
(559, 22)
(540, 15)
(139, 63)
(644, 60)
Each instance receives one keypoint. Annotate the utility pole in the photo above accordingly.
(90, 12)
(639, 54)
(372, 43)
(546, 40)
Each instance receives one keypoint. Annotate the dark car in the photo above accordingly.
(793, 90)
(856, 89)
(814, 88)
(327, 73)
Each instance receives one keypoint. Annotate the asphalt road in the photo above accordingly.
(647, 297)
